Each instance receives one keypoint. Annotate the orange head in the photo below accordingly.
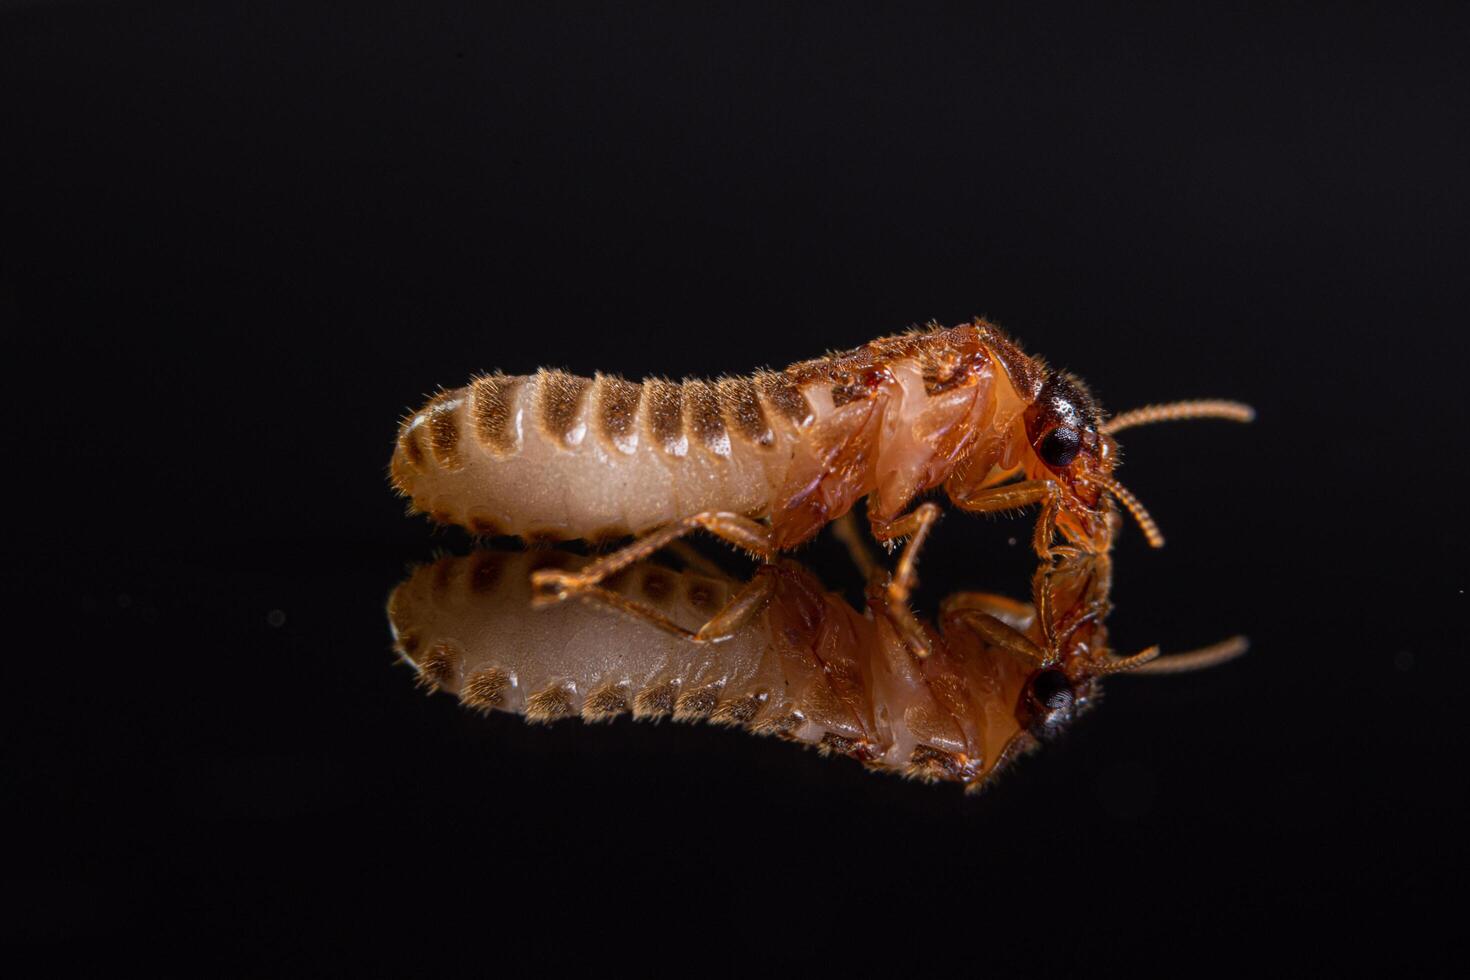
(1069, 449)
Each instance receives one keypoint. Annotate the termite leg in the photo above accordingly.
(1014, 613)
(915, 526)
(1094, 604)
(633, 609)
(745, 604)
(996, 632)
(742, 607)
(553, 585)
(1012, 495)
(550, 585)
(1019, 615)
(1045, 602)
(846, 530)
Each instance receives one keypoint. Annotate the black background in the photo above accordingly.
(240, 239)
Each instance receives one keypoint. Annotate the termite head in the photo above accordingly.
(1064, 428)
(1074, 449)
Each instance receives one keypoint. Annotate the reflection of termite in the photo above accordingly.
(807, 667)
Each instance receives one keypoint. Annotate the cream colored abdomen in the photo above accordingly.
(557, 456)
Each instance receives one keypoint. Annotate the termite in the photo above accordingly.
(765, 461)
(807, 667)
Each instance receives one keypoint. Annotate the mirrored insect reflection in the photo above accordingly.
(808, 667)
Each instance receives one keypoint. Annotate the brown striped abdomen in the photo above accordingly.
(558, 456)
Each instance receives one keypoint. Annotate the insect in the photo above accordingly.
(764, 462)
(808, 667)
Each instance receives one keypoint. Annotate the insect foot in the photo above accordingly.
(550, 586)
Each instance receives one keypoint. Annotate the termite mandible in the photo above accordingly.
(765, 461)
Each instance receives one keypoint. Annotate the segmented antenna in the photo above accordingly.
(1210, 656)
(1117, 665)
(1135, 507)
(1205, 408)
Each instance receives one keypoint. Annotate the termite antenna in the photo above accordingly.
(1138, 661)
(1210, 656)
(1135, 507)
(1204, 408)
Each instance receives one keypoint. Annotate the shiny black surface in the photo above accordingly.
(239, 240)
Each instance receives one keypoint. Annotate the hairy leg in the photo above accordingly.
(1014, 613)
(549, 585)
(846, 530)
(997, 633)
(915, 526)
(1009, 496)
(553, 585)
(743, 606)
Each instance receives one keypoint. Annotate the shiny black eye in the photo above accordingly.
(1052, 690)
(1059, 446)
(1052, 703)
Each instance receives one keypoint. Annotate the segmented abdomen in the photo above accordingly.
(810, 668)
(558, 456)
